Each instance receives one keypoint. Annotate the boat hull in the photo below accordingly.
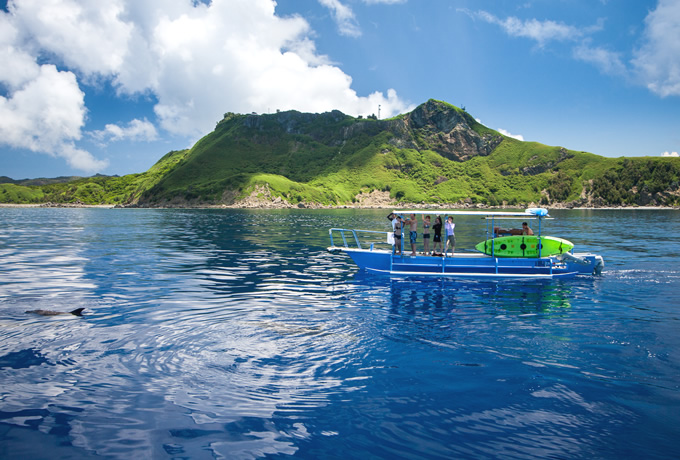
(467, 265)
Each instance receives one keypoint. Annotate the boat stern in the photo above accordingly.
(583, 263)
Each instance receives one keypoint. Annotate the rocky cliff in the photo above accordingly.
(446, 130)
(435, 126)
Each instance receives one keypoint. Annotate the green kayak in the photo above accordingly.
(524, 246)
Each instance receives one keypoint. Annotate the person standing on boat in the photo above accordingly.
(412, 222)
(437, 240)
(450, 236)
(526, 230)
(396, 225)
(426, 235)
(391, 217)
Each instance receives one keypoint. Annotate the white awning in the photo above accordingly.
(528, 214)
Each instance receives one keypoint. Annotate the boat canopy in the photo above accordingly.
(529, 213)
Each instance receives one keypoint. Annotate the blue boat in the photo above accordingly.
(372, 252)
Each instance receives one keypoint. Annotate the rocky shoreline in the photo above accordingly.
(55, 205)
(262, 198)
(282, 205)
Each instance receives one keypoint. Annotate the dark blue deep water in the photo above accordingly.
(233, 334)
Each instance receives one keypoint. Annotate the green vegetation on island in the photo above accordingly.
(437, 153)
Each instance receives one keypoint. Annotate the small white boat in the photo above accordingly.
(364, 247)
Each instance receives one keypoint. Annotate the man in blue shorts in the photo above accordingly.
(412, 222)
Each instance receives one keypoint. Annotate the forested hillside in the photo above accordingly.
(436, 154)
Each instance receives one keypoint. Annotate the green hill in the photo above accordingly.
(112, 190)
(437, 153)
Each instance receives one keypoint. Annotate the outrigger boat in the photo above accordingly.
(513, 256)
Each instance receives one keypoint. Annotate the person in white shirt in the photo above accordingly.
(450, 236)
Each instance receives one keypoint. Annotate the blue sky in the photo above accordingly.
(91, 87)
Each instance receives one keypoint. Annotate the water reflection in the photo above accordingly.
(418, 296)
(23, 358)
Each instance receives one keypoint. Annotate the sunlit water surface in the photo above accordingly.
(233, 334)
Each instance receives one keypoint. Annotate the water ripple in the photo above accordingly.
(233, 334)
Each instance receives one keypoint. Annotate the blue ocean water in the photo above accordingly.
(233, 334)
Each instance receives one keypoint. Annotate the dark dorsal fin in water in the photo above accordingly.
(76, 312)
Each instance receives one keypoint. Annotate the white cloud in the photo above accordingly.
(199, 61)
(196, 60)
(504, 132)
(18, 66)
(669, 154)
(608, 62)
(242, 58)
(657, 61)
(81, 159)
(45, 112)
(136, 130)
(88, 36)
(519, 137)
(43, 109)
(539, 31)
(343, 16)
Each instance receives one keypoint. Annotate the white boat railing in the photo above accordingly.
(358, 236)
